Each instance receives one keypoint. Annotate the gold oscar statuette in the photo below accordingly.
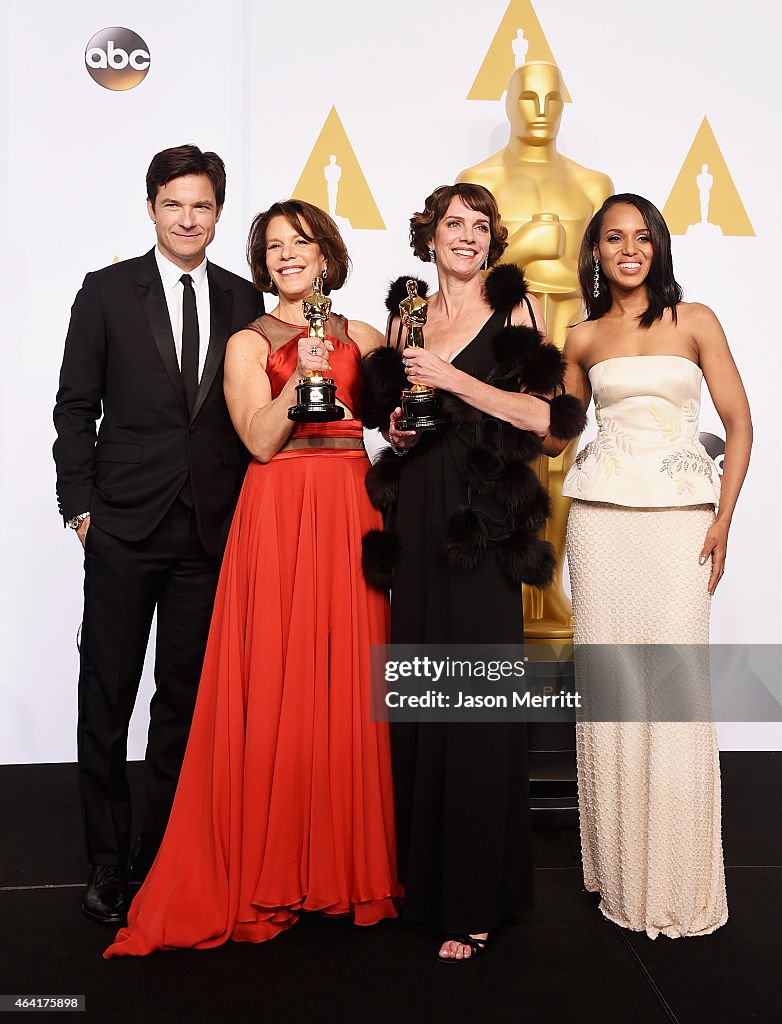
(316, 394)
(421, 405)
(546, 202)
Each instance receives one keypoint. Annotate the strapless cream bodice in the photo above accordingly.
(647, 452)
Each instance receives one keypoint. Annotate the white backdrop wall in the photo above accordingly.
(256, 82)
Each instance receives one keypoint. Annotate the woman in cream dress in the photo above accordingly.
(646, 554)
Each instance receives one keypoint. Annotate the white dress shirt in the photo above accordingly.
(173, 289)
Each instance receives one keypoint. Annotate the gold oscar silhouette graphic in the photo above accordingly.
(519, 38)
(704, 201)
(546, 201)
(333, 180)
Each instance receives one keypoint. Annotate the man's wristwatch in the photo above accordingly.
(76, 521)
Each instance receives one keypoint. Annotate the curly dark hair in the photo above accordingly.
(423, 225)
(321, 229)
(664, 291)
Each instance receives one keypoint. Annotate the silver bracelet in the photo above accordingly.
(397, 451)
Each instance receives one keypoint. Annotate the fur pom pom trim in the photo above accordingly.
(379, 557)
(505, 286)
(537, 511)
(517, 485)
(523, 444)
(459, 413)
(384, 379)
(397, 291)
(521, 350)
(482, 467)
(515, 346)
(382, 481)
(465, 539)
(544, 370)
(528, 559)
(568, 417)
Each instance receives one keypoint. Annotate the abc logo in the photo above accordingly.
(117, 59)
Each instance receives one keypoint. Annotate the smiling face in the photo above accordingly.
(461, 239)
(185, 214)
(624, 247)
(293, 262)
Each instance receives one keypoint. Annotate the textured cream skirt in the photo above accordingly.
(649, 792)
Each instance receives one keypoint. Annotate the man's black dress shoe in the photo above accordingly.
(106, 897)
(140, 863)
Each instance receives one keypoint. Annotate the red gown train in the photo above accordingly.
(284, 802)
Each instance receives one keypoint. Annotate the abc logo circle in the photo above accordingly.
(117, 59)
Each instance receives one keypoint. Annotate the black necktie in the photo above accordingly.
(189, 341)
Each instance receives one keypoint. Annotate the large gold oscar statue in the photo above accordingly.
(546, 202)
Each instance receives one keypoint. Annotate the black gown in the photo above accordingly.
(461, 789)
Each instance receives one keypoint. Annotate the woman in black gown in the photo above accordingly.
(462, 513)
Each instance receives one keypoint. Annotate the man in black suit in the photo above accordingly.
(151, 498)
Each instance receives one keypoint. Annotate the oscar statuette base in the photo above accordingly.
(421, 410)
(316, 401)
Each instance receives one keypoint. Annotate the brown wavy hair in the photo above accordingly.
(322, 230)
(478, 198)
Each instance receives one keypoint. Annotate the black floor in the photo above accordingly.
(563, 963)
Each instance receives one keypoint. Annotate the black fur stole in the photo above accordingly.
(506, 506)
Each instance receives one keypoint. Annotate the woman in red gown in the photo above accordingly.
(284, 802)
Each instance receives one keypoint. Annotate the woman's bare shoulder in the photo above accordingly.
(521, 313)
(247, 343)
(579, 339)
(365, 335)
(694, 314)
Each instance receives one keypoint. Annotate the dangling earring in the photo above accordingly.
(486, 262)
(325, 271)
(432, 256)
(596, 286)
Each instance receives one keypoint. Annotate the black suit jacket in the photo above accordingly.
(120, 362)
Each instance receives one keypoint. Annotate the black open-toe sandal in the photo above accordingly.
(477, 946)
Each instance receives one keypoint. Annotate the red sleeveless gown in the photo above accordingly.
(284, 801)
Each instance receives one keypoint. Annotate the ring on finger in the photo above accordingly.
(314, 350)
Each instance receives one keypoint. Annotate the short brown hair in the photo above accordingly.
(478, 198)
(322, 230)
(181, 160)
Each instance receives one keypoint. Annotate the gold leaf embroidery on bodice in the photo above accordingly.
(647, 410)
